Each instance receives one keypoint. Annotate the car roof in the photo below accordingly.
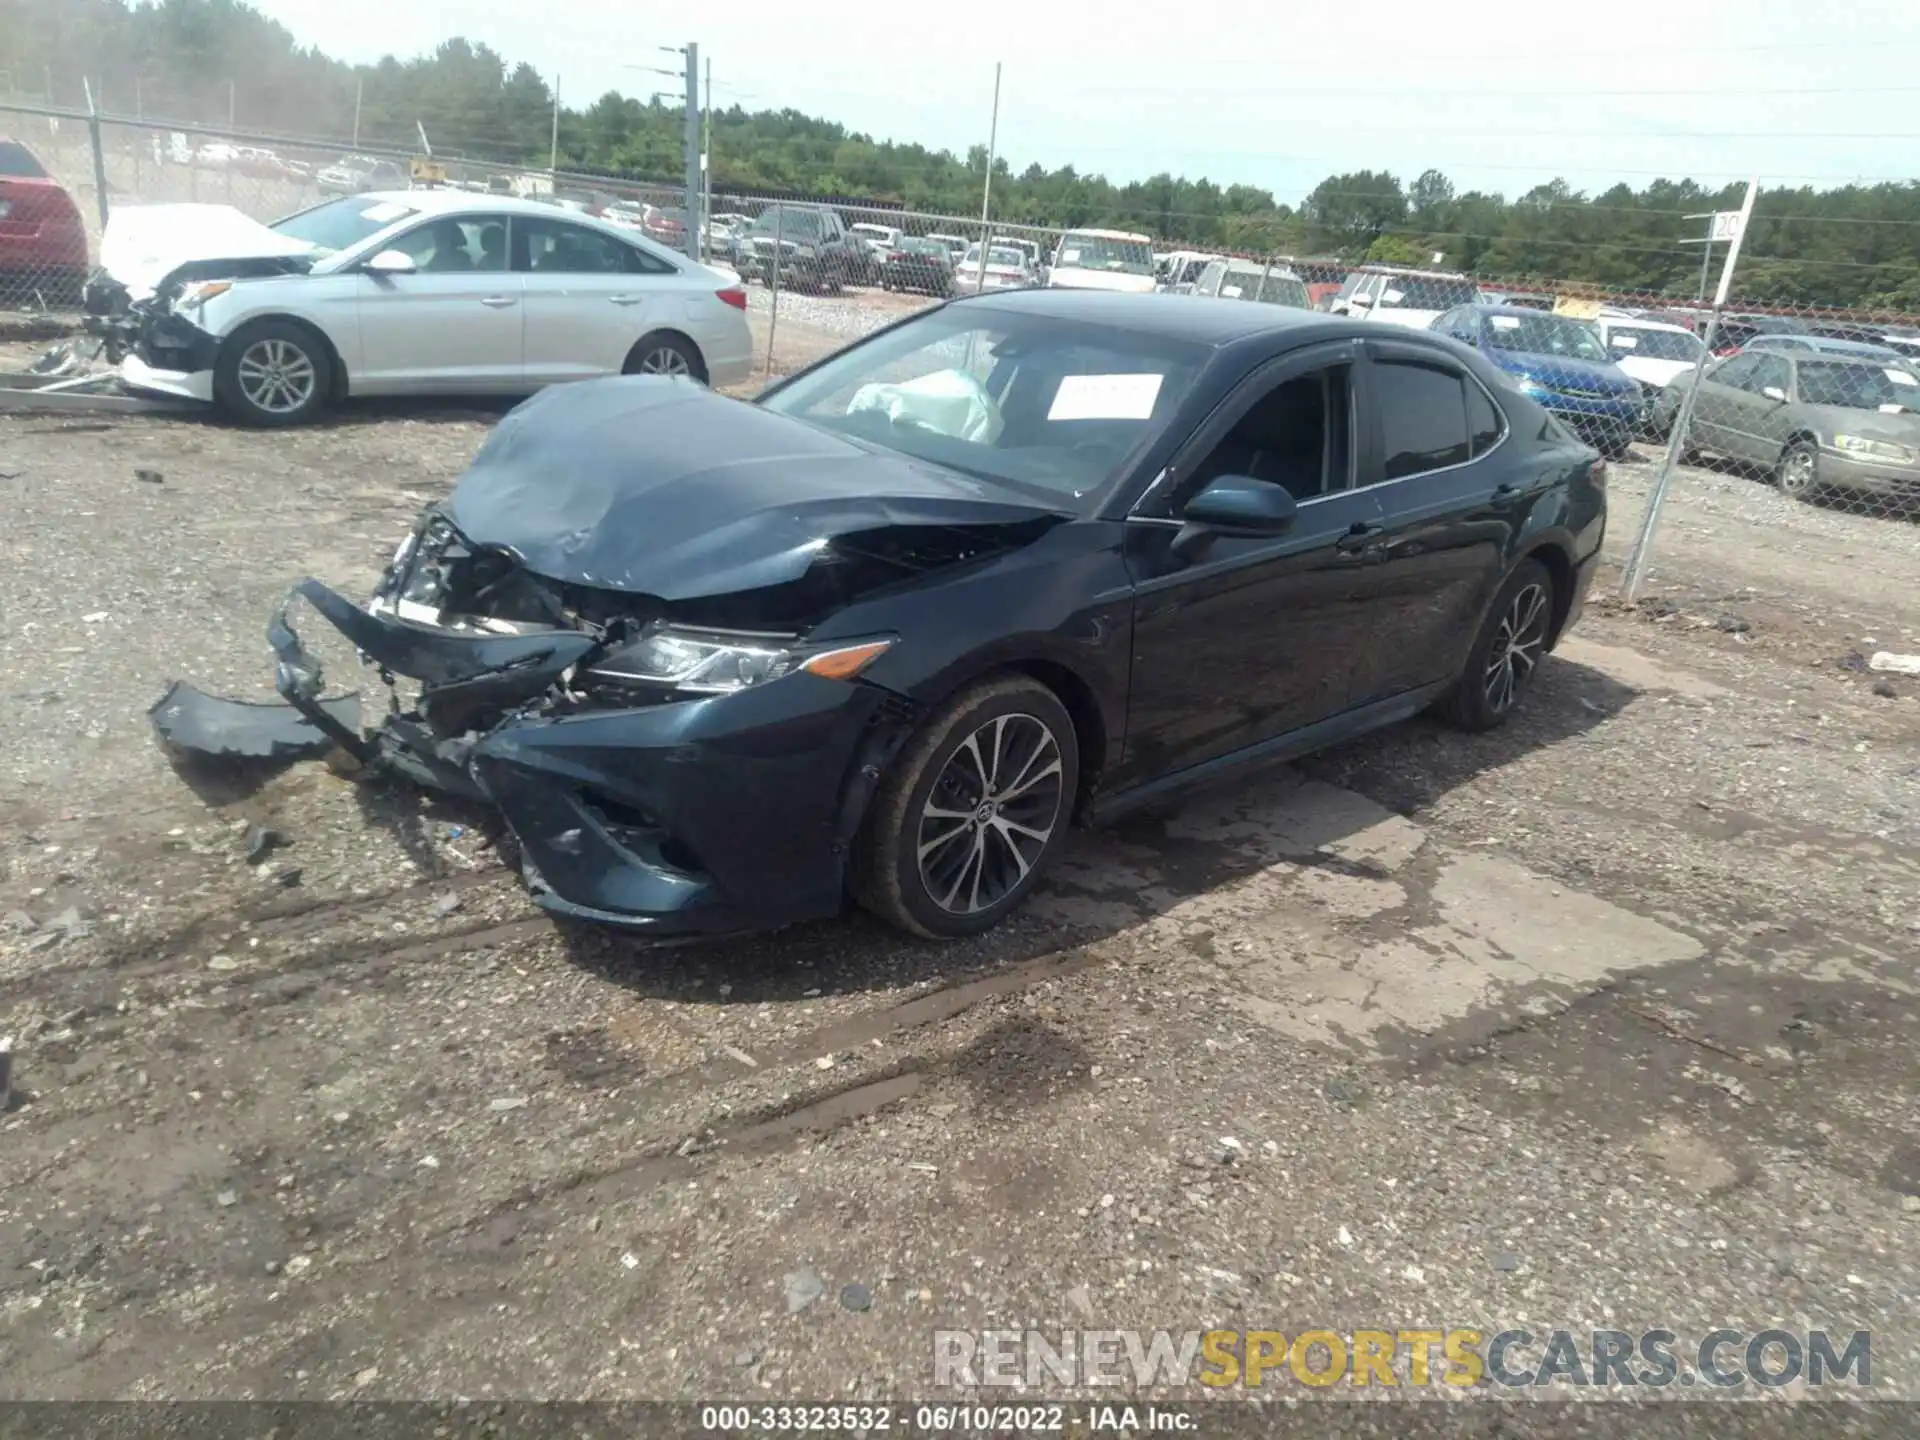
(1634, 322)
(1520, 311)
(1409, 270)
(1199, 319)
(453, 202)
(1113, 235)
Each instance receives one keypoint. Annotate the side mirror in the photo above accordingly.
(390, 262)
(1236, 505)
(1359, 302)
(1774, 392)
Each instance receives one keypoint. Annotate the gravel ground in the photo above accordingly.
(1602, 1020)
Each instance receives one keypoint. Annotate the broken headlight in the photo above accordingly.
(718, 663)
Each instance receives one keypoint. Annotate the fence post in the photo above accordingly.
(1636, 567)
(99, 154)
(773, 282)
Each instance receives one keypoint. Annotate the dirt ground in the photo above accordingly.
(1601, 1020)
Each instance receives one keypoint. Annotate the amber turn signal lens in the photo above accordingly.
(847, 663)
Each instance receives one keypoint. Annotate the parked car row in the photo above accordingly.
(402, 292)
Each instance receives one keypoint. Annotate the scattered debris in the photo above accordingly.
(192, 724)
(223, 962)
(298, 1263)
(803, 1288)
(446, 905)
(733, 1053)
(1909, 1204)
(1886, 690)
(856, 1297)
(746, 1359)
(149, 477)
(68, 924)
(1658, 607)
(1344, 1236)
(1228, 1150)
(1733, 624)
(1890, 663)
(227, 1199)
(287, 879)
(263, 840)
(923, 1167)
(507, 1102)
(629, 1261)
(1081, 1299)
(1505, 1260)
(1853, 662)
(825, 1062)
(95, 617)
(6, 1072)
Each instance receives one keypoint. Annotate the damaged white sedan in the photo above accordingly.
(412, 292)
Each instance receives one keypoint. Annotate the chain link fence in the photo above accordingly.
(1801, 411)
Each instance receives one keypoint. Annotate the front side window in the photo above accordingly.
(1295, 436)
(456, 244)
(1423, 418)
(1034, 404)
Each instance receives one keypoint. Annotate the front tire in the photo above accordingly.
(1798, 472)
(972, 813)
(1506, 653)
(273, 373)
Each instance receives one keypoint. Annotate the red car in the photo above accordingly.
(43, 244)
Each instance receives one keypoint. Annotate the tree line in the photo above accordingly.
(207, 61)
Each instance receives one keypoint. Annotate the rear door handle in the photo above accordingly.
(497, 302)
(626, 299)
(1360, 537)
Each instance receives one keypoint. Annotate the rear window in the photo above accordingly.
(17, 161)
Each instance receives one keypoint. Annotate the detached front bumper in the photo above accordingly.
(708, 815)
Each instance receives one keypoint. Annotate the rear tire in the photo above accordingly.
(972, 812)
(273, 373)
(1506, 653)
(662, 353)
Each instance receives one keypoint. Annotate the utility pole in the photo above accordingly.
(359, 94)
(553, 155)
(693, 151)
(986, 190)
(706, 174)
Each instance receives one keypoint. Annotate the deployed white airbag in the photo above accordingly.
(948, 402)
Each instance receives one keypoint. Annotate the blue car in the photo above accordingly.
(1560, 363)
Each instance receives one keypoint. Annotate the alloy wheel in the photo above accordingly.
(665, 361)
(1799, 472)
(1517, 647)
(276, 376)
(990, 814)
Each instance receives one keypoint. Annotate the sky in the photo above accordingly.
(1500, 95)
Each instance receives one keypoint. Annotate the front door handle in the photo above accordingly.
(1360, 537)
(626, 299)
(497, 302)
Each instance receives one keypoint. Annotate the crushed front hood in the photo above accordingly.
(143, 244)
(662, 488)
